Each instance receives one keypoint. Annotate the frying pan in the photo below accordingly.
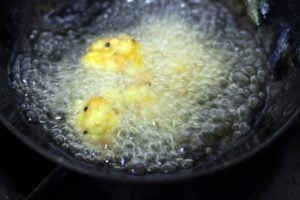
(276, 20)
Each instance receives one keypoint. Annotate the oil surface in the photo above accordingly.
(206, 70)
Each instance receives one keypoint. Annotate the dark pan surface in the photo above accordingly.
(281, 110)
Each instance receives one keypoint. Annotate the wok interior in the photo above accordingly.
(278, 113)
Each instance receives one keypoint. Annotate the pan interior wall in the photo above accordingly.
(227, 86)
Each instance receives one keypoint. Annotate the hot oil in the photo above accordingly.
(205, 68)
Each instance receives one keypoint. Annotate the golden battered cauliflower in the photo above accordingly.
(97, 119)
(118, 54)
(139, 95)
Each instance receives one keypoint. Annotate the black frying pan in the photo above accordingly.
(276, 19)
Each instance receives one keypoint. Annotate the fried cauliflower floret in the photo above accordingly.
(181, 69)
(135, 98)
(133, 95)
(139, 95)
(118, 54)
(97, 120)
(114, 95)
(99, 117)
(141, 99)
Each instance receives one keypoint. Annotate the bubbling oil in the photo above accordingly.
(207, 70)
